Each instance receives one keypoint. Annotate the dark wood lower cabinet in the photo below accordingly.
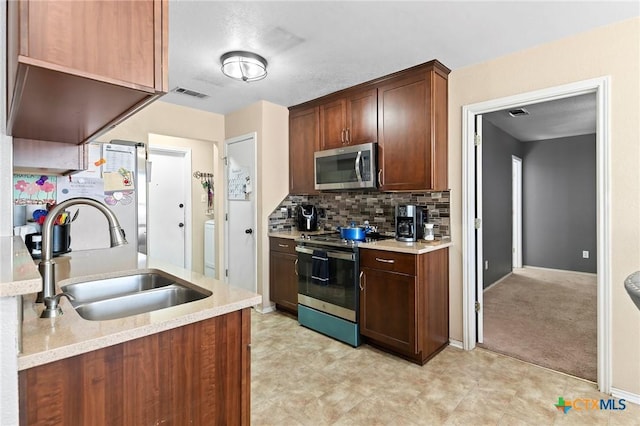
(197, 374)
(283, 280)
(404, 302)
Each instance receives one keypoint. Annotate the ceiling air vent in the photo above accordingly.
(191, 93)
(518, 112)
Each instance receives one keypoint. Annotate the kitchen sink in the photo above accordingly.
(112, 298)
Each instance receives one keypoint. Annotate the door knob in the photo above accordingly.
(181, 225)
(248, 231)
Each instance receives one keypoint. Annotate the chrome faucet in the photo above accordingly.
(51, 300)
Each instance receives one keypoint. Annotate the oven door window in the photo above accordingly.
(340, 286)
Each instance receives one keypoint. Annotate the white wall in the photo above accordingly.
(612, 50)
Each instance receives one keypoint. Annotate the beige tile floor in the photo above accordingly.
(300, 377)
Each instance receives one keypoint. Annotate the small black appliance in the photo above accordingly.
(306, 217)
(409, 220)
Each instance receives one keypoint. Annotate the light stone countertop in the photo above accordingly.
(418, 247)
(294, 234)
(47, 340)
(18, 274)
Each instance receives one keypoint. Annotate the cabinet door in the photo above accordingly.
(333, 124)
(404, 145)
(112, 39)
(388, 311)
(303, 142)
(362, 123)
(283, 281)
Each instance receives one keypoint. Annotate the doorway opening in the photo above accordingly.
(472, 320)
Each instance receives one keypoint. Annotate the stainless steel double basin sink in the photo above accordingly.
(112, 298)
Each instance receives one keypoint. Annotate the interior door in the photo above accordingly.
(479, 253)
(167, 205)
(240, 223)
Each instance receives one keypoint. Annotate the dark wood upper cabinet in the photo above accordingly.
(349, 121)
(362, 123)
(405, 112)
(412, 130)
(75, 68)
(333, 124)
(304, 140)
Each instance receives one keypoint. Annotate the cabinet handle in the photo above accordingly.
(342, 136)
(348, 133)
(380, 177)
(295, 267)
(385, 260)
(361, 277)
(283, 245)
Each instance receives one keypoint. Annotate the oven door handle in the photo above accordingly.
(333, 254)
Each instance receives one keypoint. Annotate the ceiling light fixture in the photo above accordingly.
(244, 66)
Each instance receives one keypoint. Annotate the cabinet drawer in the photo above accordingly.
(284, 245)
(388, 261)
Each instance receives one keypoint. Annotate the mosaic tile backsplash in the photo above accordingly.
(341, 208)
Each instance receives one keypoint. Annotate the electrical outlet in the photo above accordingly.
(284, 211)
(486, 265)
(203, 198)
(585, 254)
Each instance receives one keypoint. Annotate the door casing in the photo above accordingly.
(516, 191)
(601, 86)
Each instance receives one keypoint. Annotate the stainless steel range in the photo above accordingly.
(328, 273)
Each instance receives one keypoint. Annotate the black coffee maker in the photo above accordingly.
(409, 220)
(306, 217)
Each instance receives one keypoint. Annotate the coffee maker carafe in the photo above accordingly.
(307, 217)
(409, 220)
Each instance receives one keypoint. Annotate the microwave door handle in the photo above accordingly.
(358, 174)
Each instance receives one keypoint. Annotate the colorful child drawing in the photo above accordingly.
(34, 189)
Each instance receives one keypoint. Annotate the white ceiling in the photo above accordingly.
(549, 120)
(317, 47)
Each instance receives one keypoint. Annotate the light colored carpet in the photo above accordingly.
(544, 317)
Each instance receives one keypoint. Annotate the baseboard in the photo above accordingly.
(456, 344)
(591, 274)
(627, 396)
(499, 280)
(265, 309)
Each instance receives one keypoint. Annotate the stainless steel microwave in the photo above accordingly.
(351, 167)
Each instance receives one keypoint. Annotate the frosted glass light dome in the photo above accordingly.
(244, 66)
